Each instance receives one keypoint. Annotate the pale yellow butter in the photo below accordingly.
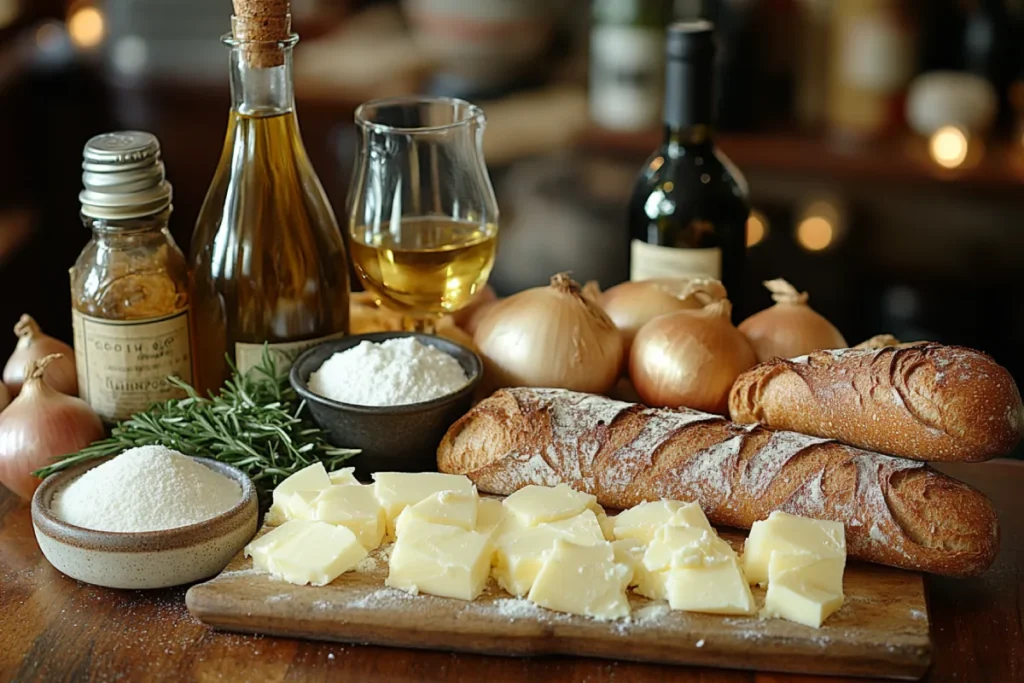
(343, 477)
(786, 533)
(797, 600)
(445, 507)
(440, 559)
(673, 547)
(641, 521)
(582, 579)
(533, 505)
(311, 478)
(717, 587)
(306, 552)
(520, 550)
(355, 507)
(630, 552)
(397, 490)
(490, 513)
(299, 504)
(695, 570)
(825, 573)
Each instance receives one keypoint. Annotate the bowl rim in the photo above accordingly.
(353, 340)
(47, 523)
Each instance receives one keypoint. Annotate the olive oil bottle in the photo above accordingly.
(268, 259)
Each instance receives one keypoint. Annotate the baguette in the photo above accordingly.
(923, 401)
(896, 512)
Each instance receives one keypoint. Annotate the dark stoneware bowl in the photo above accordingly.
(392, 438)
(145, 559)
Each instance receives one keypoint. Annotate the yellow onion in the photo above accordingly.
(790, 328)
(631, 305)
(690, 358)
(39, 426)
(469, 318)
(550, 336)
(32, 345)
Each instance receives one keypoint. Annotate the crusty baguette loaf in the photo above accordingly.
(896, 511)
(923, 401)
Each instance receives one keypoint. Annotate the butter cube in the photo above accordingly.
(694, 570)
(445, 507)
(302, 551)
(582, 579)
(640, 522)
(312, 478)
(789, 597)
(786, 533)
(520, 550)
(343, 477)
(489, 515)
(355, 507)
(823, 573)
(674, 547)
(299, 505)
(440, 559)
(533, 505)
(629, 553)
(718, 588)
(397, 490)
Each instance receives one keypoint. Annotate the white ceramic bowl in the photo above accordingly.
(150, 559)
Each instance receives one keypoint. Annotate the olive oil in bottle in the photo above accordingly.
(268, 259)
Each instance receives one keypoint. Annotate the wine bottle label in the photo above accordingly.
(647, 261)
(123, 366)
(248, 355)
(626, 76)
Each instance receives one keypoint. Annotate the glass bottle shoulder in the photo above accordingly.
(130, 274)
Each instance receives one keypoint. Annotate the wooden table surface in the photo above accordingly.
(54, 628)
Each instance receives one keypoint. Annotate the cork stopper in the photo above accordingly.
(262, 23)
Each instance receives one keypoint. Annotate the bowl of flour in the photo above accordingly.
(149, 517)
(391, 394)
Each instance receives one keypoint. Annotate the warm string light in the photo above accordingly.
(757, 228)
(948, 146)
(819, 228)
(9, 11)
(86, 26)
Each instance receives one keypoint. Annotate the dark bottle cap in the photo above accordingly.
(689, 74)
(691, 39)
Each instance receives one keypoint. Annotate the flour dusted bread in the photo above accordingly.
(923, 401)
(895, 511)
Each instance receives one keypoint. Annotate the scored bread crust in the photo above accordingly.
(923, 401)
(896, 512)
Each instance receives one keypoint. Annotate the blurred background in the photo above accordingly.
(883, 140)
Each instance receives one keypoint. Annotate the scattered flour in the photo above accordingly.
(395, 372)
(150, 488)
(367, 565)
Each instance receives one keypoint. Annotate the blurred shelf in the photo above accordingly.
(998, 166)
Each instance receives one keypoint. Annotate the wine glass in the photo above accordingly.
(422, 216)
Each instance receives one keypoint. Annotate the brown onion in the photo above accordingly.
(550, 336)
(39, 426)
(34, 344)
(790, 328)
(631, 305)
(464, 317)
(690, 358)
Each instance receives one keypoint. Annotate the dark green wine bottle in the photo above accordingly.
(689, 209)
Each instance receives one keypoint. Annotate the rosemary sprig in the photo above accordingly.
(256, 422)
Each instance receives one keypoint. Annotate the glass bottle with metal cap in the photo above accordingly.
(130, 285)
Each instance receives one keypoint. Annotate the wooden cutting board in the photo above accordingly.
(881, 630)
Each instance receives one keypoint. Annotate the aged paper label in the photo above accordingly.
(648, 261)
(123, 366)
(248, 355)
